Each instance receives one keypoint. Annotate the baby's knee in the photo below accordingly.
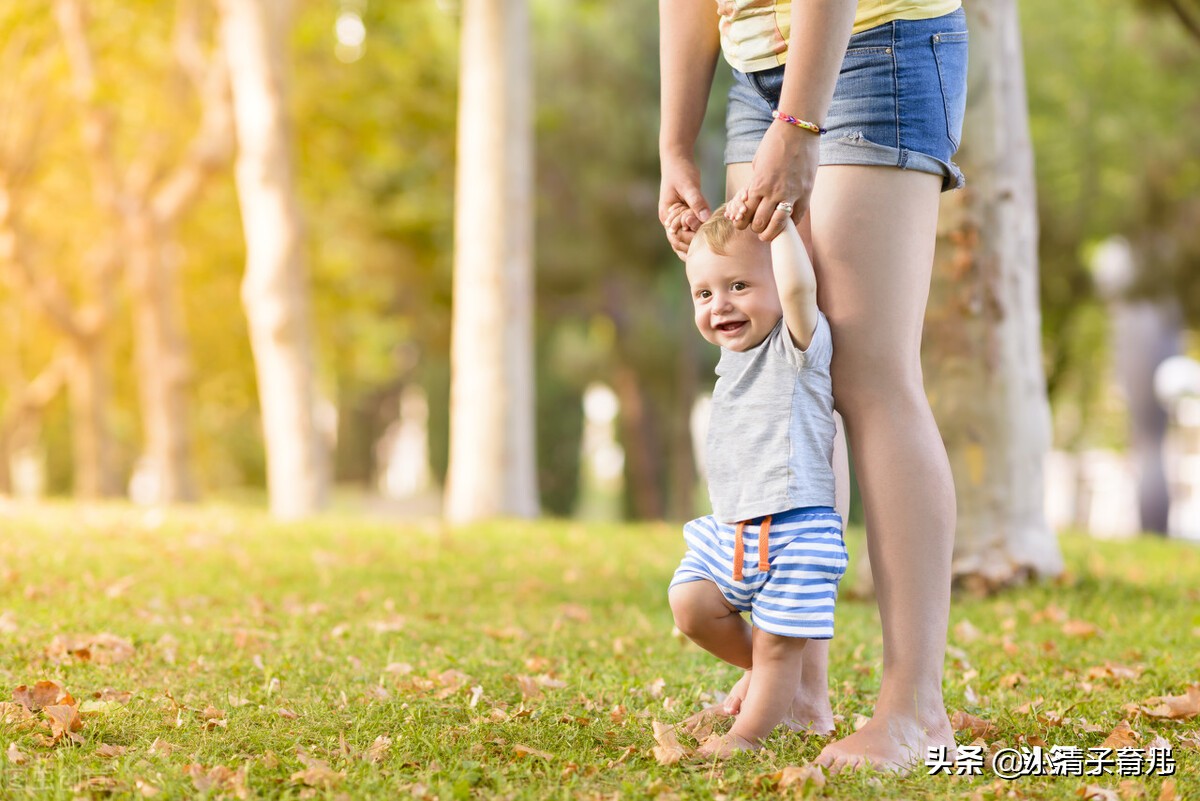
(690, 608)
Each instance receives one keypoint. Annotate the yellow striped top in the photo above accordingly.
(754, 33)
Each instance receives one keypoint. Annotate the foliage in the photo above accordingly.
(309, 661)
(1113, 112)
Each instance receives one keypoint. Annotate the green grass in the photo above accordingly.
(326, 636)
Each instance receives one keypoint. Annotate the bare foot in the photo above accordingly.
(893, 744)
(723, 746)
(810, 711)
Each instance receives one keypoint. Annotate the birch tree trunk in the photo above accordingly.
(983, 358)
(491, 470)
(275, 287)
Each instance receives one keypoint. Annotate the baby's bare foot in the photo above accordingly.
(893, 744)
(810, 711)
(723, 746)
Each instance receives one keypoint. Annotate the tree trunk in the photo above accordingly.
(91, 441)
(275, 287)
(983, 355)
(162, 364)
(492, 463)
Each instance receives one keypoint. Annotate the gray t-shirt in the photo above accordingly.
(770, 434)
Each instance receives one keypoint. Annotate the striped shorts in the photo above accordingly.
(795, 596)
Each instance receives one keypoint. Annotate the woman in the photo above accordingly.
(870, 98)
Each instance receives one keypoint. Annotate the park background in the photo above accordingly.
(400, 262)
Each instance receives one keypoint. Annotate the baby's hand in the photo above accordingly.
(735, 209)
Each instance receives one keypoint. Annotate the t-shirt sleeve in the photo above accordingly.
(819, 351)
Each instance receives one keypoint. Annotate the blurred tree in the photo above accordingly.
(275, 288)
(147, 199)
(492, 457)
(982, 350)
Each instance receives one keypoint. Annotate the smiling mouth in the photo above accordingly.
(730, 328)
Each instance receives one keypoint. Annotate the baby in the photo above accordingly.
(773, 544)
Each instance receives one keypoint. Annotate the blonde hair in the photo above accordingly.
(716, 232)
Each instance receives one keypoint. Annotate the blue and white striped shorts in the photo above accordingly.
(806, 556)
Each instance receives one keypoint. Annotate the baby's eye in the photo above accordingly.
(704, 294)
(738, 286)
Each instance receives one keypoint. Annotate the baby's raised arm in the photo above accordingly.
(797, 283)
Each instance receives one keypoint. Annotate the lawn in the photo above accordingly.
(215, 652)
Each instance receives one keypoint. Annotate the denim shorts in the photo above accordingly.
(899, 100)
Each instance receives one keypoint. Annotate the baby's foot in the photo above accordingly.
(810, 711)
(723, 746)
(892, 744)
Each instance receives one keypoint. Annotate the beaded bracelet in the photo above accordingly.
(805, 124)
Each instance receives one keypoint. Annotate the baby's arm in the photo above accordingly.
(797, 283)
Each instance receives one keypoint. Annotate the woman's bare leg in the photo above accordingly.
(874, 230)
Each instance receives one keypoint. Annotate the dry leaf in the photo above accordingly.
(218, 778)
(15, 714)
(111, 751)
(103, 648)
(378, 749)
(1123, 736)
(628, 752)
(15, 756)
(1116, 673)
(1131, 790)
(147, 789)
(213, 717)
(1096, 793)
(1159, 743)
(1174, 707)
(317, 772)
(656, 687)
(161, 747)
(977, 727)
(529, 687)
(402, 668)
(1167, 793)
(1189, 740)
(575, 612)
(860, 720)
(525, 751)
(64, 720)
(1079, 628)
(44, 693)
(668, 751)
(797, 777)
(964, 631)
(1013, 679)
(284, 712)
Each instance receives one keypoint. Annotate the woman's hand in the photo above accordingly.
(785, 168)
(681, 205)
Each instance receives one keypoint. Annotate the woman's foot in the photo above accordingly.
(893, 744)
(723, 746)
(810, 711)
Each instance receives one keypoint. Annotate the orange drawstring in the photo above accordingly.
(739, 548)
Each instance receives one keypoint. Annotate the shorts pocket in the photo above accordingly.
(950, 51)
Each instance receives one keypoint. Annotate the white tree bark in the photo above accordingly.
(275, 287)
(492, 457)
(983, 356)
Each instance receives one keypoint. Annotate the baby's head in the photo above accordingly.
(732, 284)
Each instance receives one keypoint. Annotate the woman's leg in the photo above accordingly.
(811, 710)
(874, 230)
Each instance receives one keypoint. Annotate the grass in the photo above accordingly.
(512, 660)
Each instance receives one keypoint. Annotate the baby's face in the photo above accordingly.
(734, 297)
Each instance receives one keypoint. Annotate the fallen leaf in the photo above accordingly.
(525, 751)
(402, 668)
(799, 778)
(378, 749)
(161, 747)
(1013, 679)
(14, 714)
(218, 778)
(964, 631)
(213, 717)
(668, 751)
(64, 720)
(1167, 793)
(102, 648)
(1080, 628)
(99, 785)
(111, 751)
(1189, 740)
(1159, 743)
(656, 687)
(1123, 736)
(1092, 791)
(976, 726)
(317, 772)
(147, 789)
(575, 612)
(1131, 790)
(15, 756)
(628, 752)
(529, 687)
(284, 712)
(1174, 707)
(1115, 673)
(44, 693)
